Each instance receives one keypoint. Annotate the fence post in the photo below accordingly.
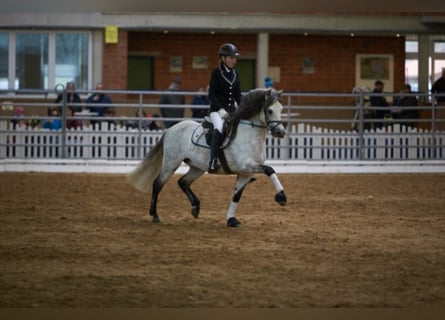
(361, 125)
(433, 127)
(60, 87)
(139, 137)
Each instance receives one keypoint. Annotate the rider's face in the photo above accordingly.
(230, 61)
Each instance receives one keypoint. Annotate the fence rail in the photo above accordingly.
(303, 142)
(309, 137)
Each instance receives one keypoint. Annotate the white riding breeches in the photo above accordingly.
(217, 120)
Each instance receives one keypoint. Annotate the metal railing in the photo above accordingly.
(337, 128)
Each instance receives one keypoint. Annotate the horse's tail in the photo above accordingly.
(146, 172)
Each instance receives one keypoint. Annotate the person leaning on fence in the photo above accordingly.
(18, 120)
(54, 122)
(134, 124)
(200, 99)
(439, 87)
(380, 101)
(172, 99)
(95, 103)
(71, 97)
(110, 114)
(72, 123)
(406, 104)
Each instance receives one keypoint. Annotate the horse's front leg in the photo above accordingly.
(241, 182)
(280, 196)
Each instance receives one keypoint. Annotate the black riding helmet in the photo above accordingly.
(228, 49)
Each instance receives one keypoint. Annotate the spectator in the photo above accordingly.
(172, 99)
(146, 122)
(439, 87)
(268, 82)
(201, 99)
(110, 114)
(97, 103)
(71, 97)
(405, 104)
(72, 123)
(154, 125)
(53, 123)
(377, 100)
(18, 121)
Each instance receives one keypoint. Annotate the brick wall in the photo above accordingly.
(115, 63)
(333, 56)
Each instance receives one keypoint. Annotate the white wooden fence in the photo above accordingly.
(302, 142)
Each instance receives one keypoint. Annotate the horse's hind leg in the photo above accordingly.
(158, 184)
(157, 187)
(184, 183)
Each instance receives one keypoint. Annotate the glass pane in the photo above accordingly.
(31, 59)
(439, 46)
(439, 64)
(411, 46)
(4, 60)
(412, 73)
(72, 59)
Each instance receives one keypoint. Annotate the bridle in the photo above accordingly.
(270, 125)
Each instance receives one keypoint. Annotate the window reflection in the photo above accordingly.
(4, 60)
(72, 59)
(31, 59)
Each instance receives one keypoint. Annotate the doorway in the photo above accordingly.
(140, 73)
(246, 70)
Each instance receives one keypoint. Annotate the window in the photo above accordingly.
(31, 56)
(411, 46)
(439, 46)
(72, 59)
(4, 60)
(41, 60)
(412, 73)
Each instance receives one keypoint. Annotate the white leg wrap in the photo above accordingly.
(276, 183)
(232, 209)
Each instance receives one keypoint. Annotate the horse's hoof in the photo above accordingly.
(195, 211)
(155, 219)
(280, 197)
(233, 223)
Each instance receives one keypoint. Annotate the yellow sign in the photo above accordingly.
(111, 34)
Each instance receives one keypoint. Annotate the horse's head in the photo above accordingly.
(272, 113)
(261, 108)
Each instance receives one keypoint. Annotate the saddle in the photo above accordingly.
(202, 135)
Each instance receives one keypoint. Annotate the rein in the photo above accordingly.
(264, 126)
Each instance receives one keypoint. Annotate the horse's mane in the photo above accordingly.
(252, 104)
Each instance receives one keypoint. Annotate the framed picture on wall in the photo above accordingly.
(372, 67)
(176, 64)
(199, 62)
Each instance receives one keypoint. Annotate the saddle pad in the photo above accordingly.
(199, 138)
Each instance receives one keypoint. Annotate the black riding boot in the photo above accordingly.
(214, 147)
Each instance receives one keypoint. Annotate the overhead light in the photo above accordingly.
(352, 34)
(165, 31)
(306, 34)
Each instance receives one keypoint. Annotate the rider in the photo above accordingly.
(225, 94)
